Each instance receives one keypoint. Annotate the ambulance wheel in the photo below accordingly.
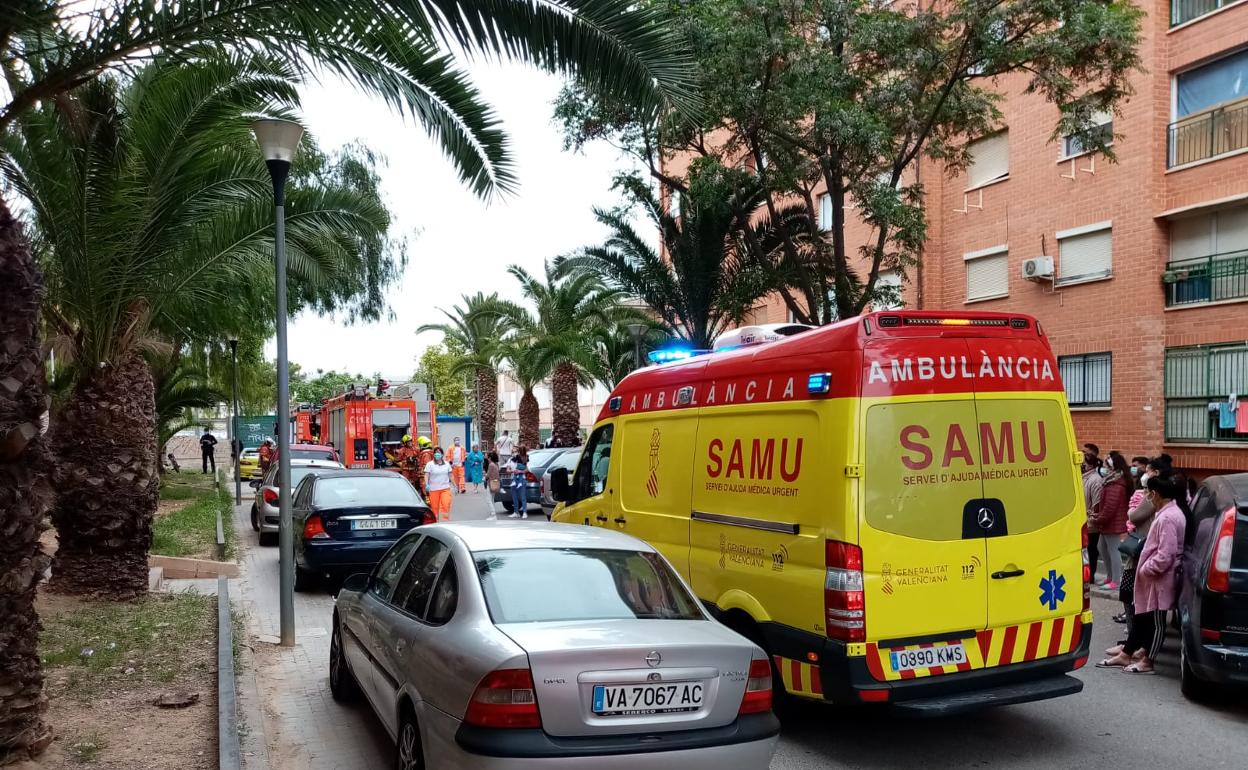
(782, 703)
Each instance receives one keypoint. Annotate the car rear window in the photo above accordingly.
(343, 491)
(313, 454)
(556, 584)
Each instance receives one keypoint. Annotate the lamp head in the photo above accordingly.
(279, 139)
(636, 329)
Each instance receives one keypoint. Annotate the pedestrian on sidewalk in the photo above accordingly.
(519, 485)
(208, 449)
(476, 467)
(438, 485)
(1093, 491)
(1111, 519)
(267, 452)
(1156, 577)
(503, 447)
(458, 456)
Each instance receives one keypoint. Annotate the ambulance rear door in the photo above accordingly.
(922, 548)
(1034, 559)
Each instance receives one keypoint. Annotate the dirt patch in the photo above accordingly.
(108, 663)
(166, 507)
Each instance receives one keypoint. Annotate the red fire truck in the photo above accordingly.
(357, 419)
(305, 419)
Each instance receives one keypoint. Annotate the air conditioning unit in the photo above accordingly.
(1038, 269)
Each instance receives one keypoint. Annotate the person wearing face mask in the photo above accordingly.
(1139, 465)
(1111, 519)
(1093, 492)
(458, 456)
(438, 485)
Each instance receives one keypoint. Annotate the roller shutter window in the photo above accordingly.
(1086, 256)
(987, 275)
(990, 159)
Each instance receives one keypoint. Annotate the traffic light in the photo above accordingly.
(382, 386)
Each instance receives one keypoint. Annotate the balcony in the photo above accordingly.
(1183, 11)
(1202, 280)
(1208, 134)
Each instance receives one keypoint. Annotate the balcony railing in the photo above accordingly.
(1206, 279)
(1183, 11)
(1209, 134)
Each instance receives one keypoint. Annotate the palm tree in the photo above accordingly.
(179, 388)
(615, 352)
(150, 212)
(703, 283)
(400, 50)
(569, 306)
(528, 370)
(24, 495)
(479, 333)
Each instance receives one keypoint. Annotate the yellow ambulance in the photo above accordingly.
(891, 506)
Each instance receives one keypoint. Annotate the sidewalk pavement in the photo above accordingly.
(291, 722)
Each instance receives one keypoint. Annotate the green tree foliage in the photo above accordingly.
(478, 334)
(180, 389)
(399, 50)
(847, 97)
(441, 367)
(704, 282)
(313, 390)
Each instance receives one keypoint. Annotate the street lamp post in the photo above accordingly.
(637, 330)
(468, 395)
(279, 139)
(236, 443)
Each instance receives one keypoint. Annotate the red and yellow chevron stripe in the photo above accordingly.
(993, 647)
(801, 679)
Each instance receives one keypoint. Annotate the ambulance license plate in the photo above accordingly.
(927, 657)
(650, 698)
(374, 524)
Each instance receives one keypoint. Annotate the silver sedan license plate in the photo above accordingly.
(374, 524)
(649, 698)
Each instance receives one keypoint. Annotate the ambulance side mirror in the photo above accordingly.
(559, 486)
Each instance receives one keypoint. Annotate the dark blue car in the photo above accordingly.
(346, 520)
(1214, 602)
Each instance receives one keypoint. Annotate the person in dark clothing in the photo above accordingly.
(208, 448)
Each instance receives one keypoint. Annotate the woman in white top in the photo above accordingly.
(438, 485)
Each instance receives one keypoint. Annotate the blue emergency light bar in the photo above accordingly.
(820, 382)
(667, 355)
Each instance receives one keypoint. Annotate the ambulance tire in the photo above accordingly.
(782, 703)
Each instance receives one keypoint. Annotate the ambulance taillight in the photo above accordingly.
(1087, 572)
(844, 600)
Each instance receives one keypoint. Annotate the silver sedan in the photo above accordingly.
(495, 645)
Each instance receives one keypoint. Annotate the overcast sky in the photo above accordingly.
(457, 244)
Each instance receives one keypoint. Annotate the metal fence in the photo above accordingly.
(1213, 278)
(1183, 11)
(1208, 134)
(1198, 381)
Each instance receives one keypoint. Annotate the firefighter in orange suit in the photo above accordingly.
(458, 456)
(407, 459)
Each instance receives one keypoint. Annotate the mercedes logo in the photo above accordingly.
(654, 659)
(985, 518)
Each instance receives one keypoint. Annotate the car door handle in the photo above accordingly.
(620, 520)
(602, 519)
(1008, 573)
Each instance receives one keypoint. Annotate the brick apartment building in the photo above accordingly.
(1147, 306)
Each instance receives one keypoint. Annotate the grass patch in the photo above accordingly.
(186, 485)
(192, 531)
(99, 642)
(86, 748)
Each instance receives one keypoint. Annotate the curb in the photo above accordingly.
(229, 755)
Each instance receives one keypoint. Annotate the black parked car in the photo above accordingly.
(1214, 599)
(346, 520)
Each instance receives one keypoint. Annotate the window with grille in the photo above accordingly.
(1085, 253)
(1088, 378)
(1200, 382)
(990, 159)
(987, 273)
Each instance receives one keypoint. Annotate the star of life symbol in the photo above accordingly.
(1052, 589)
(652, 484)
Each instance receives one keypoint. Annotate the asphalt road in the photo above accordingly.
(1118, 721)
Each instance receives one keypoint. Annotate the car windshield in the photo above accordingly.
(313, 454)
(350, 491)
(529, 585)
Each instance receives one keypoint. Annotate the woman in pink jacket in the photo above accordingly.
(1156, 577)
